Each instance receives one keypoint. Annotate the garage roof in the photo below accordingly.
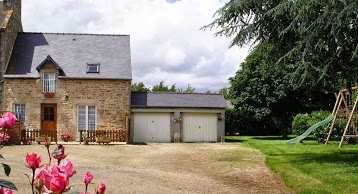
(177, 100)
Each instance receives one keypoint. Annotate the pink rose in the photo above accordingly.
(59, 152)
(7, 120)
(87, 177)
(67, 168)
(33, 161)
(58, 183)
(101, 188)
(8, 191)
(52, 178)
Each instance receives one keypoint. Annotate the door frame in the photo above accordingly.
(42, 113)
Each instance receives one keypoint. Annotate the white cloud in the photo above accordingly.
(166, 43)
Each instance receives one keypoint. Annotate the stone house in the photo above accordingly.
(64, 81)
(69, 82)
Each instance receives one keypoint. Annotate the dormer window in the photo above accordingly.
(93, 68)
(49, 83)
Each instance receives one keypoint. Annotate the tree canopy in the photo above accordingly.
(161, 87)
(264, 95)
(139, 87)
(317, 39)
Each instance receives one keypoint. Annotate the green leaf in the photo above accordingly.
(7, 184)
(7, 169)
(2, 156)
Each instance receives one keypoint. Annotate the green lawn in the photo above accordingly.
(309, 167)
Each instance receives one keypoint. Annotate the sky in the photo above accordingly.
(166, 41)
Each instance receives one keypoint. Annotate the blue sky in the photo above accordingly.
(171, 1)
(166, 43)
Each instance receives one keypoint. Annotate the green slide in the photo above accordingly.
(312, 128)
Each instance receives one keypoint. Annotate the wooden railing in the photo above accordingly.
(29, 135)
(118, 135)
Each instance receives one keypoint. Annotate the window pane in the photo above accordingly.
(91, 110)
(91, 127)
(82, 110)
(20, 111)
(52, 76)
(86, 118)
(51, 117)
(46, 117)
(81, 126)
(94, 68)
(49, 82)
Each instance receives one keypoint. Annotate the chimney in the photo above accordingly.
(14, 5)
(1, 5)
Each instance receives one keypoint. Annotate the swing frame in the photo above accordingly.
(344, 112)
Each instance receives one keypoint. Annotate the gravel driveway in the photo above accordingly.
(158, 168)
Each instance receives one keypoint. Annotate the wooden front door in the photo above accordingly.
(48, 116)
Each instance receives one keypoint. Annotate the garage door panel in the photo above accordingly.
(151, 127)
(199, 127)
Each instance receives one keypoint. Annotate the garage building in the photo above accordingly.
(177, 117)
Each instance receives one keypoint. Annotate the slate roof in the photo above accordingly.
(177, 100)
(72, 53)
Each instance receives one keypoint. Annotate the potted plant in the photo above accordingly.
(103, 139)
(85, 138)
(42, 138)
(65, 136)
(49, 94)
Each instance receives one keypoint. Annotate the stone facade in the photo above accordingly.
(10, 26)
(110, 97)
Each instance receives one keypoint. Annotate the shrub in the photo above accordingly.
(302, 122)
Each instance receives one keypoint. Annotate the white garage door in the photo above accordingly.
(151, 127)
(200, 127)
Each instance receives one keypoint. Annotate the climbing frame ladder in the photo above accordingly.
(350, 120)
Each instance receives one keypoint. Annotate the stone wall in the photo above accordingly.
(111, 98)
(10, 26)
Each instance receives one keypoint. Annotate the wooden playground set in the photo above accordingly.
(345, 107)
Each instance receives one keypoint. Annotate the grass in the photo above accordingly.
(309, 167)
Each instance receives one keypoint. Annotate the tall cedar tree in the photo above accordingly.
(318, 38)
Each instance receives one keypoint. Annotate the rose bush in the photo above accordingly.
(7, 191)
(4, 137)
(48, 178)
(56, 178)
(7, 120)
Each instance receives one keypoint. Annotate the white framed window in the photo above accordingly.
(86, 117)
(93, 68)
(49, 82)
(19, 110)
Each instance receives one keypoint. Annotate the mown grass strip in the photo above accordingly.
(309, 167)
